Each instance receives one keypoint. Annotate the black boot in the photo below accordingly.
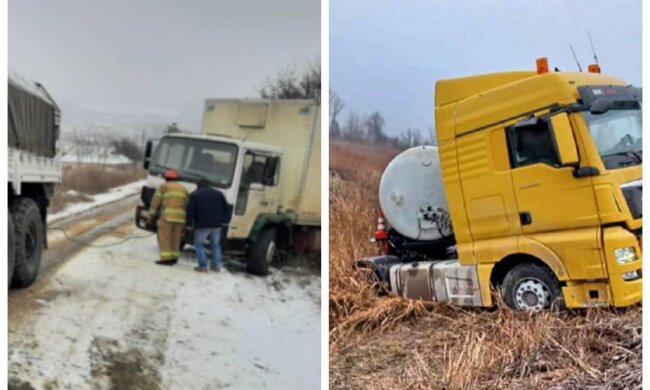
(165, 262)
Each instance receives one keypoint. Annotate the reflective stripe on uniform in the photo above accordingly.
(172, 211)
(176, 254)
(164, 255)
(174, 215)
(174, 194)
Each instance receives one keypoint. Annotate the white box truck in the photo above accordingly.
(34, 170)
(264, 155)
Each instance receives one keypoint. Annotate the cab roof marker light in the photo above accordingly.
(542, 65)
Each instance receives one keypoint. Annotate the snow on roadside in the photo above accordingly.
(112, 195)
(111, 318)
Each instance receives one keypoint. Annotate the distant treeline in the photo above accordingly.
(371, 129)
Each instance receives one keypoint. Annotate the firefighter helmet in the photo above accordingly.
(171, 174)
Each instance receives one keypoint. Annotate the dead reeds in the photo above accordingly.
(386, 342)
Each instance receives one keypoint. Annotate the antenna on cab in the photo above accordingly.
(593, 68)
(575, 58)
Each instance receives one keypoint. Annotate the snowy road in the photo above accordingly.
(111, 319)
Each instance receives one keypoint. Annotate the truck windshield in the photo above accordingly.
(618, 136)
(197, 159)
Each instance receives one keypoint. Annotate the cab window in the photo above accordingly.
(531, 142)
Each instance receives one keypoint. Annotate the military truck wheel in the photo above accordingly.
(531, 287)
(262, 253)
(28, 239)
(11, 247)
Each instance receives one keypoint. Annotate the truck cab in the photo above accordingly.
(245, 172)
(542, 176)
(270, 190)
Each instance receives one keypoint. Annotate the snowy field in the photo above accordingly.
(98, 200)
(111, 319)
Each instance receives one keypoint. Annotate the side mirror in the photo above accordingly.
(566, 145)
(147, 155)
(600, 106)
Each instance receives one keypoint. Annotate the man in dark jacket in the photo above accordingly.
(207, 212)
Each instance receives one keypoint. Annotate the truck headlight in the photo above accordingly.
(632, 275)
(625, 255)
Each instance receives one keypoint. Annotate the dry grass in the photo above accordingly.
(388, 342)
(87, 180)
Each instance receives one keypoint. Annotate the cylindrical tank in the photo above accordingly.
(412, 197)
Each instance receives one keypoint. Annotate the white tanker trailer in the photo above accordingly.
(415, 227)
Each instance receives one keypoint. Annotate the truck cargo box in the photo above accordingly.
(33, 117)
(293, 125)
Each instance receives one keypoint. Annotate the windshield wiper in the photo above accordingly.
(636, 157)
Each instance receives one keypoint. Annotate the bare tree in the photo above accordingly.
(294, 83)
(432, 136)
(375, 128)
(128, 148)
(411, 137)
(336, 106)
(352, 129)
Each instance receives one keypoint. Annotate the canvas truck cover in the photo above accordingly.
(33, 117)
(293, 125)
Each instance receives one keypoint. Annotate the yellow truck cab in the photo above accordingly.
(542, 178)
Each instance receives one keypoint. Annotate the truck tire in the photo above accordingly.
(262, 252)
(28, 238)
(11, 247)
(531, 287)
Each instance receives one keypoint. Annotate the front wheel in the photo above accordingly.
(530, 287)
(262, 253)
(28, 239)
(11, 244)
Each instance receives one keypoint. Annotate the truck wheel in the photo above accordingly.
(530, 287)
(11, 245)
(262, 252)
(28, 238)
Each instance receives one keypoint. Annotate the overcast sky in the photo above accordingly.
(159, 56)
(386, 55)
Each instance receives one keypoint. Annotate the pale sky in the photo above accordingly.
(386, 55)
(158, 56)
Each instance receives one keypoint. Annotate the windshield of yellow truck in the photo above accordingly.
(618, 136)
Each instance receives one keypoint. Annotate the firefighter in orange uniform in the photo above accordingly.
(172, 198)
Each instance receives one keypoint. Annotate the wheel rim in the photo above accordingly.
(532, 294)
(270, 252)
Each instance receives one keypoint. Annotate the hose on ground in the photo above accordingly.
(85, 243)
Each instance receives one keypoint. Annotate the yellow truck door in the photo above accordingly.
(556, 209)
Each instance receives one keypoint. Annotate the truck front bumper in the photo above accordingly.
(624, 284)
(625, 290)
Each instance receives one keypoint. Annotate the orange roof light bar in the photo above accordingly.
(593, 68)
(542, 65)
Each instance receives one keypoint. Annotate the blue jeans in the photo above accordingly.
(213, 236)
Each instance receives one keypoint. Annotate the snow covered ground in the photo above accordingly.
(113, 195)
(92, 154)
(110, 318)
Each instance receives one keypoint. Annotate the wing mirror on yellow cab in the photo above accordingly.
(566, 145)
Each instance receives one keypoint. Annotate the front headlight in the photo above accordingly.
(625, 255)
(632, 275)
